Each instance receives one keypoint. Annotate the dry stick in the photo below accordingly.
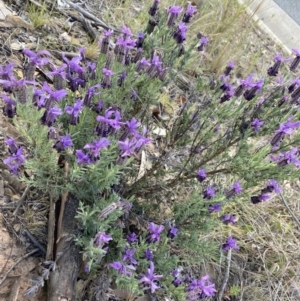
(51, 228)
(14, 290)
(21, 200)
(16, 263)
(226, 276)
(90, 16)
(62, 205)
(34, 241)
(289, 209)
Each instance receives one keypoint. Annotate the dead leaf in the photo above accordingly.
(69, 39)
(17, 21)
(4, 11)
(17, 46)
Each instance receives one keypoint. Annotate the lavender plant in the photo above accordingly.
(227, 141)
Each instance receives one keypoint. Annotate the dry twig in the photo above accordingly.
(226, 276)
(289, 209)
(21, 200)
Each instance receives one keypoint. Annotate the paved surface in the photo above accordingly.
(291, 7)
(275, 21)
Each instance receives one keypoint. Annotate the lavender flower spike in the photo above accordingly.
(155, 231)
(149, 278)
(201, 175)
(153, 9)
(106, 82)
(174, 12)
(121, 268)
(273, 71)
(296, 60)
(230, 244)
(190, 11)
(203, 42)
(257, 124)
(35, 59)
(229, 68)
(101, 239)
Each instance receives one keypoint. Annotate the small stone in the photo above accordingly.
(17, 227)
(8, 192)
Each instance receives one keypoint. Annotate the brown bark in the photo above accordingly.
(62, 281)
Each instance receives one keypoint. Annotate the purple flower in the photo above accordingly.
(127, 147)
(172, 233)
(36, 58)
(260, 198)
(148, 255)
(200, 289)
(180, 33)
(229, 68)
(6, 72)
(174, 12)
(12, 146)
(273, 71)
(274, 186)
(244, 83)
(228, 219)
(190, 11)
(126, 31)
(91, 91)
(256, 124)
(9, 109)
(230, 244)
(66, 141)
(132, 125)
(121, 268)
(250, 94)
(295, 83)
(128, 256)
(74, 111)
(115, 122)
(201, 175)
(150, 278)
(296, 60)
(82, 158)
(73, 64)
(203, 42)
(236, 189)
(50, 116)
(96, 146)
(15, 160)
(106, 81)
(101, 239)
(155, 66)
(142, 64)
(141, 138)
(63, 143)
(209, 193)
(215, 208)
(131, 238)
(155, 231)
(153, 9)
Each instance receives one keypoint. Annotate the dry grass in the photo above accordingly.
(38, 16)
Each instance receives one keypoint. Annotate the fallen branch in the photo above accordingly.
(21, 200)
(226, 276)
(16, 263)
(51, 229)
(289, 209)
(90, 16)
